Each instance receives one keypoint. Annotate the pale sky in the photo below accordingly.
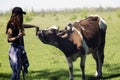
(38, 5)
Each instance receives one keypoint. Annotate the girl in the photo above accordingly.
(17, 54)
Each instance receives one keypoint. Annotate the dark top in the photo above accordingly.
(15, 32)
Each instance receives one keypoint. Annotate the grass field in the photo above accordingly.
(49, 63)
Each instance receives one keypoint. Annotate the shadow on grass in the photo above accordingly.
(106, 77)
(58, 75)
(113, 71)
(4, 76)
(110, 76)
(64, 75)
(48, 74)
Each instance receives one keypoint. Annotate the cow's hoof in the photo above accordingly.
(98, 76)
(71, 78)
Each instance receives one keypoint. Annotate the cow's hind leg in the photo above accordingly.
(97, 56)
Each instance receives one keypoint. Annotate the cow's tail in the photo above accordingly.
(103, 27)
(102, 24)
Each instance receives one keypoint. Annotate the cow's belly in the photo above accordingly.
(90, 51)
(74, 56)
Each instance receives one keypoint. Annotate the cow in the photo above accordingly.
(77, 40)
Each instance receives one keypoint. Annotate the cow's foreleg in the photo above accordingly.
(70, 65)
(97, 58)
(82, 65)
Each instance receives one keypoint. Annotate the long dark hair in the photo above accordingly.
(17, 21)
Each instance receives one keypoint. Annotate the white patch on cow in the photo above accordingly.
(65, 35)
(53, 27)
(41, 33)
(102, 20)
(93, 16)
(77, 32)
(96, 74)
(82, 28)
(102, 24)
(68, 28)
(78, 21)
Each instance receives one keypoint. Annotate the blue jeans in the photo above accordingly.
(17, 59)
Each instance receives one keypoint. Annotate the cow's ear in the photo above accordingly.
(57, 28)
(54, 27)
(69, 26)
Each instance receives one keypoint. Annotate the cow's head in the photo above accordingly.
(48, 36)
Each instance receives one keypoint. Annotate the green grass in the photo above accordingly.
(48, 62)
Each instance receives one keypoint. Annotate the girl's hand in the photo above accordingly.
(21, 34)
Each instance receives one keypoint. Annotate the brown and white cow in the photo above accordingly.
(77, 40)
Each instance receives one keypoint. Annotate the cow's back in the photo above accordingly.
(91, 31)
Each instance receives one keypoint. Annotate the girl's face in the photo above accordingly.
(19, 19)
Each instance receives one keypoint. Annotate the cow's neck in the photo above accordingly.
(66, 46)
